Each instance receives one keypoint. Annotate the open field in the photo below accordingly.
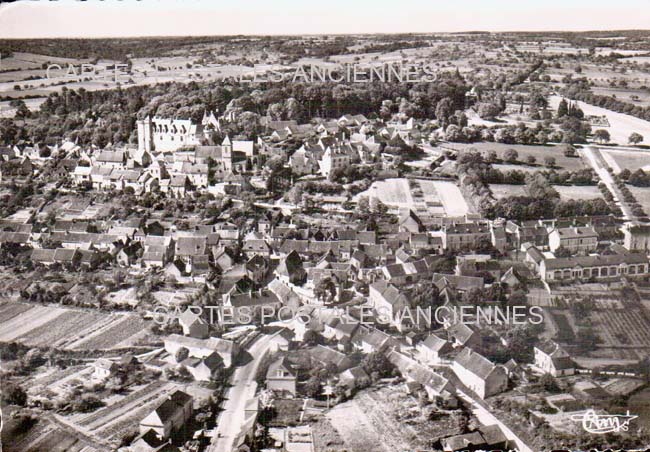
(620, 159)
(567, 192)
(642, 195)
(621, 125)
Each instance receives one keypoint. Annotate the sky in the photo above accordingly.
(115, 18)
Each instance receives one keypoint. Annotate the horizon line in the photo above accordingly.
(276, 35)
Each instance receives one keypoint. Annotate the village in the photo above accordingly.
(521, 196)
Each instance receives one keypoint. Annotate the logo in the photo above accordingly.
(604, 423)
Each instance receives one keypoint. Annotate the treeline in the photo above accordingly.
(613, 104)
(541, 200)
(119, 49)
(108, 116)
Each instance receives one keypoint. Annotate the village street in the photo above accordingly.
(243, 388)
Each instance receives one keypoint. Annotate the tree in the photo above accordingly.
(602, 135)
(531, 159)
(549, 161)
(511, 155)
(488, 110)
(548, 383)
(325, 290)
(181, 354)
(635, 138)
(563, 109)
(377, 365)
(13, 394)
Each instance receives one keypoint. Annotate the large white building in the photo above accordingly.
(165, 135)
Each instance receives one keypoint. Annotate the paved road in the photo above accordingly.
(243, 389)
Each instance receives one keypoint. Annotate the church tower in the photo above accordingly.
(226, 154)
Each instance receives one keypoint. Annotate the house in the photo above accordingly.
(552, 359)
(375, 341)
(340, 328)
(354, 378)
(104, 368)
(290, 270)
(387, 301)
(203, 369)
(578, 240)
(256, 247)
(410, 222)
(325, 355)
(463, 335)
(434, 350)
(201, 348)
(223, 258)
(281, 377)
(636, 237)
(434, 384)
(465, 236)
(257, 268)
(149, 442)
(170, 416)
(334, 159)
(189, 247)
(281, 341)
(479, 374)
(487, 437)
(193, 325)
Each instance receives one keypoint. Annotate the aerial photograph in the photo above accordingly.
(335, 226)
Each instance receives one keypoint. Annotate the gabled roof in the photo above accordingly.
(436, 343)
(167, 410)
(280, 364)
(475, 363)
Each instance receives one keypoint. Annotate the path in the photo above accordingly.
(595, 159)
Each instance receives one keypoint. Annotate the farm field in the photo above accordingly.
(539, 152)
(621, 125)
(67, 328)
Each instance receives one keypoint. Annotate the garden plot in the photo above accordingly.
(451, 197)
(68, 328)
(121, 331)
(27, 321)
(392, 192)
(621, 125)
(386, 419)
(622, 328)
